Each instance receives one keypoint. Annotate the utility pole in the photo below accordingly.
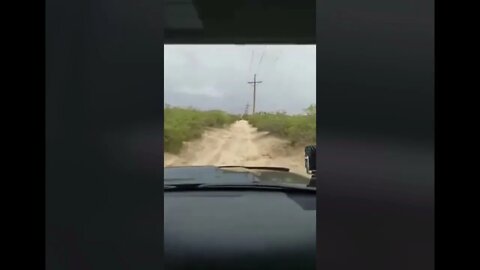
(246, 109)
(254, 89)
(245, 113)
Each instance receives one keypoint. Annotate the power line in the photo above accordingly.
(274, 59)
(251, 61)
(260, 62)
(272, 66)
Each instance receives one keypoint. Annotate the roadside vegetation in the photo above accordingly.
(298, 129)
(185, 124)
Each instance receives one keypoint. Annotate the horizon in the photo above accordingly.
(170, 106)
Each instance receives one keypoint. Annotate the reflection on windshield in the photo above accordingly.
(213, 175)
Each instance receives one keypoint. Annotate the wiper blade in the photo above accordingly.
(260, 187)
(182, 186)
(283, 169)
(237, 187)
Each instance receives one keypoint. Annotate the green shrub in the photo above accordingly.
(298, 129)
(185, 124)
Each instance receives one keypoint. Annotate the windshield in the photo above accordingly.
(239, 105)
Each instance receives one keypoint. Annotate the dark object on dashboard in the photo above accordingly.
(311, 163)
(311, 158)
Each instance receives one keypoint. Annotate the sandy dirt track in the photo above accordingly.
(239, 144)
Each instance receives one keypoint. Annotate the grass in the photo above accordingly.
(185, 124)
(298, 129)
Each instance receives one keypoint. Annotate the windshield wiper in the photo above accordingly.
(187, 187)
(181, 187)
(283, 169)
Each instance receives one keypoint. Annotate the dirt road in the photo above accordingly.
(239, 144)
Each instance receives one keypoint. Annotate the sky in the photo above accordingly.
(217, 76)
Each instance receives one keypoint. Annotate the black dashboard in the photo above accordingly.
(233, 229)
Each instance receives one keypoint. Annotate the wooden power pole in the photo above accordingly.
(246, 109)
(254, 89)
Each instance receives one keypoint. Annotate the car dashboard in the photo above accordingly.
(239, 229)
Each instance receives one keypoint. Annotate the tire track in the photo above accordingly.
(239, 144)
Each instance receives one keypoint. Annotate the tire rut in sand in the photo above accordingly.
(239, 144)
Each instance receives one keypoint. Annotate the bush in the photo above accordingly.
(298, 129)
(185, 124)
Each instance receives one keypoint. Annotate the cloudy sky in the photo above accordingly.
(216, 76)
